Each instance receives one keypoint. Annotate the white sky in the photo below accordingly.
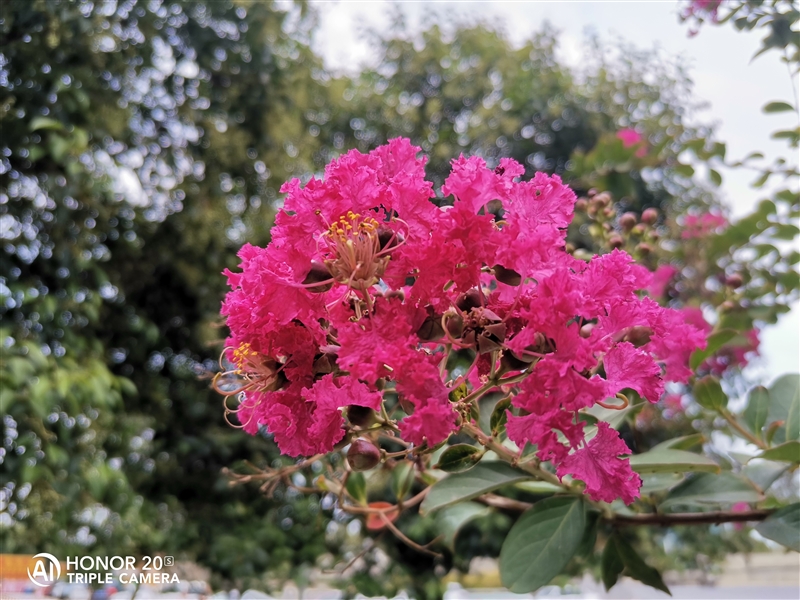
(720, 65)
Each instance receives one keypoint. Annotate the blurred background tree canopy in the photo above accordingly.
(142, 144)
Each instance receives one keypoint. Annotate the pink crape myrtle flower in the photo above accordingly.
(630, 138)
(368, 284)
(698, 226)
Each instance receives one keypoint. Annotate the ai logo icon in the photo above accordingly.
(46, 571)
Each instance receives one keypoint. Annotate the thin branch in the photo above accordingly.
(668, 520)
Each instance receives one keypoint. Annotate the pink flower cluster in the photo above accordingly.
(735, 354)
(699, 226)
(368, 285)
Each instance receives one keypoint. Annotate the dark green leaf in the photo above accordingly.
(667, 460)
(451, 519)
(541, 543)
(715, 177)
(636, 568)
(499, 416)
(764, 473)
(357, 487)
(484, 477)
(686, 442)
(611, 564)
(458, 458)
(708, 393)
(707, 488)
(783, 527)
(755, 413)
(402, 479)
(785, 406)
(786, 452)
(773, 107)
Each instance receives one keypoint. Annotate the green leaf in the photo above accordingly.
(541, 543)
(451, 519)
(402, 479)
(499, 416)
(611, 564)
(589, 541)
(481, 479)
(773, 107)
(667, 460)
(636, 568)
(708, 393)
(783, 527)
(787, 452)
(357, 487)
(658, 482)
(715, 177)
(685, 442)
(715, 341)
(785, 406)
(755, 413)
(458, 458)
(707, 488)
(45, 123)
(539, 487)
(764, 473)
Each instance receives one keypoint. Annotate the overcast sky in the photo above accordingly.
(719, 60)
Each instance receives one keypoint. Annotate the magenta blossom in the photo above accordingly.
(369, 286)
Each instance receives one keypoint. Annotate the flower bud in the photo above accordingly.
(627, 221)
(603, 199)
(363, 455)
(469, 300)
(507, 276)
(454, 325)
(616, 241)
(650, 216)
(592, 192)
(638, 230)
(581, 204)
(360, 416)
(727, 306)
(734, 281)
(318, 273)
(639, 335)
(644, 249)
(388, 238)
(431, 328)
(586, 330)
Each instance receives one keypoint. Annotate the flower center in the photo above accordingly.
(354, 243)
(259, 372)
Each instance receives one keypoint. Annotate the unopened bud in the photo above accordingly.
(586, 330)
(603, 199)
(318, 273)
(431, 328)
(455, 325)
(644, 249)
(650, 216)
(469, 300)
(507, 276)
(639, 335)
(360, 416)
(387, 238)
(581, 204)
(363, 455)
(616, 241)
(627, 221)
(734, 281)
(592, 192)
(727, 306)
